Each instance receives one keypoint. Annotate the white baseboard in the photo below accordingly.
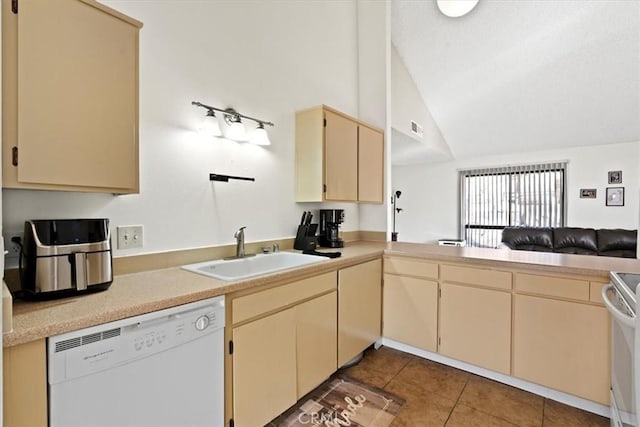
(567, 399)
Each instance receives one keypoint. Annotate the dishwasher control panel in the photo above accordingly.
(94, 349)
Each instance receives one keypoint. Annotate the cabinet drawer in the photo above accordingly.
(595, 289)
(256, 304)
(411, 267)
(476, 276)
(553, 286)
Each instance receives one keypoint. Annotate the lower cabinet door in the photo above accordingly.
(25, 384)
(475, 326)
(317, 329)
(264, 368)
(410, 311)
(563, 345)
(359, 308)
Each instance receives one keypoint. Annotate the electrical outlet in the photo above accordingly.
(130, 236)
(13, 249)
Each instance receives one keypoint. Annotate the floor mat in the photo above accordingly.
(342, 401)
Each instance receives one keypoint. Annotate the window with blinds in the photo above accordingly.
(494, 198)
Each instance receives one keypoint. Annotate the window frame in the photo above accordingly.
(511, 171)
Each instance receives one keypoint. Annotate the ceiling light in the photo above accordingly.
(235, 129)
(210, 125)
(259, 136)
(456, 8)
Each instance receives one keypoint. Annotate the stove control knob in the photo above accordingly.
(202, 323)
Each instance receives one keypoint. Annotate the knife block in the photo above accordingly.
(306, 237)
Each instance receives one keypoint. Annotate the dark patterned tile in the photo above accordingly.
(422, 407)
(502, 401)
(465, 416)
(434, 377)
(378, 367)
(557, 414)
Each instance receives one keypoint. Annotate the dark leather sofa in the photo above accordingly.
(572, 240)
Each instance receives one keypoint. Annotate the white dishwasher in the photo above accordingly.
(164, 368)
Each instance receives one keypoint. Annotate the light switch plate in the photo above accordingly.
(130, 236)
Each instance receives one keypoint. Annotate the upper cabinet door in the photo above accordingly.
(370, 165)
(338, 158)
(76, 70)
(341, 158)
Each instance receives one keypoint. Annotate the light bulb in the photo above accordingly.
(236, 130)
(210, 125)
(259, 136)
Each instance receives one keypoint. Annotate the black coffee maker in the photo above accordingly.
(330, 220)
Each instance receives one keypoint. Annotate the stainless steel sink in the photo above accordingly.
(242, 268)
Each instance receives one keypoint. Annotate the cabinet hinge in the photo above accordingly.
(324, 122)
(324, 188)
(230, 347)
(439, 340)
(14, 156)
(14, 6)
(231, 423)
(439, 293)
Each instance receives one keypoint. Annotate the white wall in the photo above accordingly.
(407, 105)
(430, 191)
(266, 59)
(374, 41)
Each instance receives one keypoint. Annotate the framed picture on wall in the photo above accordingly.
(615, 177)
(615, 196)
(588, 193)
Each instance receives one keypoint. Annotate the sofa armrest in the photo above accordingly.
(617, 242)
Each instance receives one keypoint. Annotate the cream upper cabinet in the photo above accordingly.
(341, 154)
(338, 158)
(359, 308)
(70, 97)
(563, 345)
(370, 165)
(475, 326)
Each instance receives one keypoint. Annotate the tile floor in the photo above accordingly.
(438, 395)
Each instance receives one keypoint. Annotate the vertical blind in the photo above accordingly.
(494, 198)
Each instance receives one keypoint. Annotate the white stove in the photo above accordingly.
(621, 298)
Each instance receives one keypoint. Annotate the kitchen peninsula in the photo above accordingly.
(524, 315)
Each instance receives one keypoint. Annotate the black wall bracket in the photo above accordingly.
(226, 178)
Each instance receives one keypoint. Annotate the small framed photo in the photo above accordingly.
(615, 177)
(588, 193)
(615, 196)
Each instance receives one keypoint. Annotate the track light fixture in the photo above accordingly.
(235, 129)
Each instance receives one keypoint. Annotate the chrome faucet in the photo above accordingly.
(240, 242)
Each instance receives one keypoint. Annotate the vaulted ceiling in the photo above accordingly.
(525, 75)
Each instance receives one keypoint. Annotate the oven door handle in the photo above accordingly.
(620, 316)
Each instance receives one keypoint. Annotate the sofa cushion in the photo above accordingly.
(618, 243)
(528, 238)
(572, 240)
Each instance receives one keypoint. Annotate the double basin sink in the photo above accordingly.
(242, 268)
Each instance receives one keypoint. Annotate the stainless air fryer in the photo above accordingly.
(64, 257)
